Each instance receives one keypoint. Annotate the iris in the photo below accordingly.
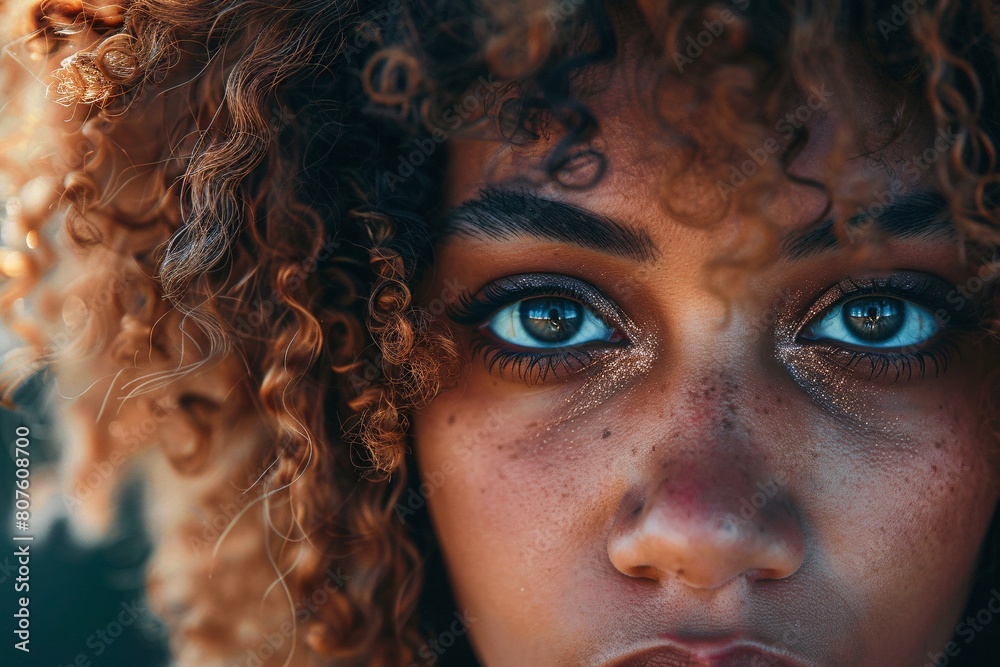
(874, 319)
(551, 320)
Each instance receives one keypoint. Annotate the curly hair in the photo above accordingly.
(225, 211)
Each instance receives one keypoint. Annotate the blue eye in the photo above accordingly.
(875, 321)
(549, 322)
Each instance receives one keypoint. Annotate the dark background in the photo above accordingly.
(75, 590)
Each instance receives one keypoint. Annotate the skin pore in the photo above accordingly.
(691, 476)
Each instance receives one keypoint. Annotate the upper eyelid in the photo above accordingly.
(923, 289)
(471, 309)
(850, 288)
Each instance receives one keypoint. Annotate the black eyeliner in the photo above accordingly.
(474, 309)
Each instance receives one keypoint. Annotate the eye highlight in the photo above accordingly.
(875, 322)
(898, 327)
(549, 322)
(534, 326)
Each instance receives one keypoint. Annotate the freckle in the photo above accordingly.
(451, 419)
(605, 434)
(766, 411)
(635, 450)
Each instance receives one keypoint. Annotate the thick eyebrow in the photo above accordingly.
(918, 214)
(500, 214)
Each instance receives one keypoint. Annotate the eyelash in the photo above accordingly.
(535, 366)
(935, 357)
(938, 356)
(530, 366)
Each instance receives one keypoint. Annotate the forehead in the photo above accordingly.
(653, 188)
(649, 172)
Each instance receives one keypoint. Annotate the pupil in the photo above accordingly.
(874, 319)
(551, 320)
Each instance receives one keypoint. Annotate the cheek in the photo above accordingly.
(901, 525)
(893, 516)
(525, 508)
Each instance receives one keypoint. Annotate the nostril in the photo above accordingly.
(700, 538)
(637, 510)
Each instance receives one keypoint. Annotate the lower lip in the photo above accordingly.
(703, 656)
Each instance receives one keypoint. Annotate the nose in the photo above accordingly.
(705, 530)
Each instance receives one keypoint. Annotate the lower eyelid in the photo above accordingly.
(932, 361)
(533, 368)
(926, 359)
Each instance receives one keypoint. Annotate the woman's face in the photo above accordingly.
(626, 465)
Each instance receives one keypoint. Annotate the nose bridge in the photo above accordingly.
(710, 406)
(714, 352)
(710, 506)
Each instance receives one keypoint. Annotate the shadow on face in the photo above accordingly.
(789, 467)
